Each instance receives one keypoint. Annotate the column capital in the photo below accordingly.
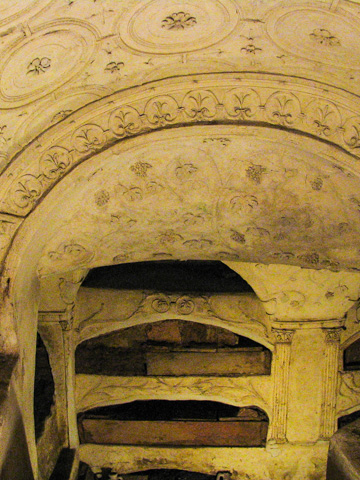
(332, 335)
(283, 335)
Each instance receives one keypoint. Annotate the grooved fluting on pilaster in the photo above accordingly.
(281, 365)
(329, 383)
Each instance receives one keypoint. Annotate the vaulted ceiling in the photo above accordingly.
(205, 129)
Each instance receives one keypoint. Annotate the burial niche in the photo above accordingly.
(198, 276)
(174, 423)
(352, 356)
(172, 348)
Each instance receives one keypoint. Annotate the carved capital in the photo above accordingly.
(332, 335)
(283, 336)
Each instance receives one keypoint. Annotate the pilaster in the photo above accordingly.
(281, 370)
(330, 382)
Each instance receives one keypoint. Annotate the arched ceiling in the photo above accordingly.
(205, 129)
(209, 192)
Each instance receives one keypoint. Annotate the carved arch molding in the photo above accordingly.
(294, 106)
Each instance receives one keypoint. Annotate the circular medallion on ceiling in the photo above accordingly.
(164, 27)
(34, 66)
(316, 34)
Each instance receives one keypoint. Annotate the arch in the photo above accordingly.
(167, 347)
(41, 174)
(167, 423)
(190, 100)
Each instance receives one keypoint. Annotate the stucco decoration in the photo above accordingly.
(95, 390)
(316, 33)
(110, 310)
(52, 55)
(229, 195)
(210, 98)
(163, 27)
(349, 391)
(318, 294)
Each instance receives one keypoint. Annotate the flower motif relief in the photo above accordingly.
(39, 65)
(113, 67)
(55, 162)
(89, 138)
(125, 121)
(324, 37)
(178, 21)
(27, 191)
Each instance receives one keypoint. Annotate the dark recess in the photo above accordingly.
(43, 389)
(169, 276)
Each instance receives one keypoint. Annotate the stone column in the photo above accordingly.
(66, 323)
(330, 382)
(281, 369)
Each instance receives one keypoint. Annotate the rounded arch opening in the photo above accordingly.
(175, 423)
(172, 348)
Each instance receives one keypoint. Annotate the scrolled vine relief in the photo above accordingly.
(220, 103)
(161, 110)
(27, 191)
(200, 105)
(283, 108)
(351, 132)
(55, 162)
(89, 138)
(108, 390)
(125, 121)
(242, 103)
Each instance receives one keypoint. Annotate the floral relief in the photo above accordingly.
(323, 37)
(124, 121)
(55, 162)
(89, 138)
(243, 203)
(27, 191)
(161, 110)
(200, 105)
(242, 103)
(39, 65)
(114, 67)
(178, 21)
(71, 252)
(283, 109)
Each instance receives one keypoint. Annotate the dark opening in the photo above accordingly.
(159, 474)
(347, 419)
(172, 347)
(43, 389)
(174, 423)
(169, 276)
(352, 356)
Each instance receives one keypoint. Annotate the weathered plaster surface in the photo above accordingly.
(206, 129)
